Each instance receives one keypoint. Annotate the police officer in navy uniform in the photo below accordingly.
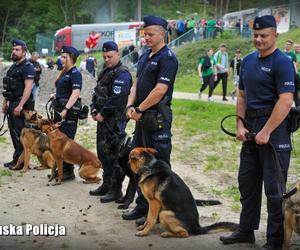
(108, 105)
(264, 101)
(67, 99)
(150, 100)
(17, 86)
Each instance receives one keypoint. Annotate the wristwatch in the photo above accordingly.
(66, 108)
(138, 110)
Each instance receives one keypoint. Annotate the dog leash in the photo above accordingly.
(251, 136)
(3, 122)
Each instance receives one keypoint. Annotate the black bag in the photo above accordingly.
(294, 119)
(84, 112)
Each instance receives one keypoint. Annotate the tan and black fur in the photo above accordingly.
(34, 142)
(291, 206)
(168, 197)
(66, 149)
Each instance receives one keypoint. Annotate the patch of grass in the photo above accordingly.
(233, 192)
(5, 172)
(230, 192)
(3, 139)
(236, 207)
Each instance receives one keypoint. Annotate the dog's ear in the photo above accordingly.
(133, 161)
(151, 151)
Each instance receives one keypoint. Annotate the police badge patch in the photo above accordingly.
(117, 90)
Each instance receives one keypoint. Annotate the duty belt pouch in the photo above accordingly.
(73, 113)
(294, 119)
(152, 120)
(8, 95)
(9, 83)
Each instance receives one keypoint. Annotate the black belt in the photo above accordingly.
(253, 113)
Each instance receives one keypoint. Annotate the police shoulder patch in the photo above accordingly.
(117, 90)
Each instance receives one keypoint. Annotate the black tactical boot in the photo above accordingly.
(101, 190)
(239, 236)
(10, 164)
(113, 194)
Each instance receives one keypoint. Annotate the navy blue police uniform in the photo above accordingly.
(273, 76)
(109, 100)
(14, 85)
(159, 68)
(69, 81)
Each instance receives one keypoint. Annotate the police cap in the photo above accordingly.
(18, 42)
(267, 21)
(109, 46)
(155, 20)
(70, 50)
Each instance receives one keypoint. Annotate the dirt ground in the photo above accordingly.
(28, 199)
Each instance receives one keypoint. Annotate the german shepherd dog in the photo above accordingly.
(66, 149)
(168, 197)
(291, 205)
(34, 142)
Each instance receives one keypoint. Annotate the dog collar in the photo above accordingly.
(31, 125)
(51, 129)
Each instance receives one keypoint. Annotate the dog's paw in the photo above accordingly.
(56, 183)
(140, 228)
(23, 170)
(141, 233)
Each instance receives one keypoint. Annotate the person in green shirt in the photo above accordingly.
(288, 50)
(288, 46)
(207, 73)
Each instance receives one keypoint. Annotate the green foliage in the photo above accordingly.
(5, 172)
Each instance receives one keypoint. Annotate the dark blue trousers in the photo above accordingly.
(15, 124)
(256, 169)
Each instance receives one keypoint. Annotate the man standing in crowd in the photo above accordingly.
(264, 101)
(222, 66)
(38, 71)
(288, 46)
(91, 64)
(17, 86)
(108, 105)
(149, 102)
(235, 66)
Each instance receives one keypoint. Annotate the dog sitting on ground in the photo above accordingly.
(291, 205)
(34, 142)
(168, 197)
(66, 149)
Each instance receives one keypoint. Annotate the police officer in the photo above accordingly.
(38, 71)
(108, 105)
(67, 102)
(264, 101)
(150, 99)
(17, 86)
